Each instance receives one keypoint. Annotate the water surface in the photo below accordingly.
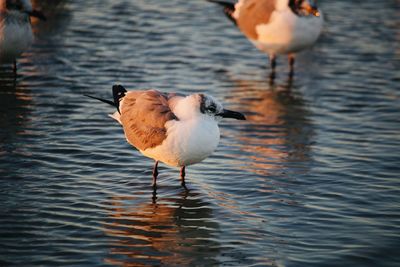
(310, 179)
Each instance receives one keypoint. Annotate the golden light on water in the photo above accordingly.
(268, 110)
(157, 232)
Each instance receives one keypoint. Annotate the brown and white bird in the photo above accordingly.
(15, 29)
(277, 26)
(175, 129)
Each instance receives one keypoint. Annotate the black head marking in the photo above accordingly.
(202, 103)
(295, 6)
(301, 10)
(208, 105)
(212, 108)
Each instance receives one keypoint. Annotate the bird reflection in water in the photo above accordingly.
(176, 231)
(279, 130)
(15, 107)
(57, 14)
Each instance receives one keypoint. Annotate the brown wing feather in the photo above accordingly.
(143, 116)
(253, 13)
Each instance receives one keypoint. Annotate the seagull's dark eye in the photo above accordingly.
(212, 109)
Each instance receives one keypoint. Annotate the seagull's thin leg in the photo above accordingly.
(154, 196)
(155, 174)
(272, 59)
(183, 173)
(291, 65)
(15, 67)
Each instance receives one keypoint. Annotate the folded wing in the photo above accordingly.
(143, 117)
(252, 13)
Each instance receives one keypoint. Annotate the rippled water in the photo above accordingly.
(310, 179)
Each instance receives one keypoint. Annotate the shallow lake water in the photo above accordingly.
(312, 178)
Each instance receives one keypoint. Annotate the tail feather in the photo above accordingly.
(102, 100)
(118, 93)
(116, 116)
(229, 8)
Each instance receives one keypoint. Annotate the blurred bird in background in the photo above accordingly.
(276, 26)
(15, 29)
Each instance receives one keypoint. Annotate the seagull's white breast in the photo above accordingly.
(287, 32)
(15, 37)
(188, 141)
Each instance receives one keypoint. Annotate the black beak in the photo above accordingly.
(37, 14)
(231, 114)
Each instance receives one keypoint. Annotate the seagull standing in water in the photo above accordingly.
(174, 129)
(276, 26)
(15, 29)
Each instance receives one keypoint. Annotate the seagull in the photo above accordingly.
(276, 26)
(15, 29)
(172, 128)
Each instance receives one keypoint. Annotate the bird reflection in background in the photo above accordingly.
(279, 129)
(16, 105)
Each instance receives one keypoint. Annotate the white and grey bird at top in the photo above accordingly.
(276, 26)
(16, 34)
(175, 129)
